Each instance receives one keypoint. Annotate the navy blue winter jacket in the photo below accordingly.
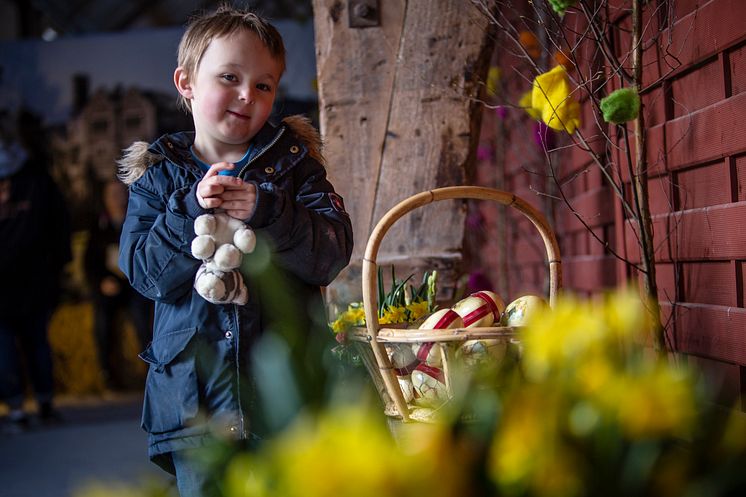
(199, 379)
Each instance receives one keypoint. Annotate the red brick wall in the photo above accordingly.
(695, 111)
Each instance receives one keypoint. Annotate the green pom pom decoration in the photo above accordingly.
(560, 6)
(621, 106)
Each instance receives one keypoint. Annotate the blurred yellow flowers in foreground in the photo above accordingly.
(348, 452)
(587, 410)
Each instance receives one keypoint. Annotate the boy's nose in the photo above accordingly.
(246, 95)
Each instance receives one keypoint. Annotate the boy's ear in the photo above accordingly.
(181, 80)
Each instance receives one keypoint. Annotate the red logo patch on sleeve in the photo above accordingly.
(336, 202)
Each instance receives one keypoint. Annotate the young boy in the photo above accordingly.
(272, 178)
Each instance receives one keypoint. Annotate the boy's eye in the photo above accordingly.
(264, 87)
(229, 77)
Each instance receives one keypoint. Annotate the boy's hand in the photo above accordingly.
(211, 186)
(239, 200)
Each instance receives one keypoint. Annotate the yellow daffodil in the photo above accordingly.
(417, 310)
(395, 314)
(347, 452)
(493, 80)
(353, 316)
(626, 315)
(656, 403)
(551, 95)
(555, 338)
(525, 103)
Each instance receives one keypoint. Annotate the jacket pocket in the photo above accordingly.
(171, 396)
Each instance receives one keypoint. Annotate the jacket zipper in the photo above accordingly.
(242, 427)
(261, 152)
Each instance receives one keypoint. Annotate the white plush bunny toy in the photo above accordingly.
(220, 244)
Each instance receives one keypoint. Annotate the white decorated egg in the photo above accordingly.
(480, 309)
(520, 310)
(429, 385)
(443, 319)
(407, 389)
(478, 352)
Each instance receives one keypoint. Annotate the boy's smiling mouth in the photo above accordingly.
(239, 115)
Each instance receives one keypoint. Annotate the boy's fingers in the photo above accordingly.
(216, 168)
(237, 194)
(239, 184)
(211, 202)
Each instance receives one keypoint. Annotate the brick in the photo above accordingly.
(520, 180)
(577, 243)
(654, 106)
(698, 89)
(684, 7)
(656, 137)
(665, 277)
(703, 186)
(527, 251)
(573, 159)
(566, 244)
(713, 332)
(659, 195)
(595, 178)
(650, 54)
(737, 62)
(710, 233)
(596, 247)
(709, 283)
(704, 32)
(723, 379)
(740, 179)
(594, 208)
(588, 273)
(575, 184)
(709, 134)
(619, 8)
(526, 278)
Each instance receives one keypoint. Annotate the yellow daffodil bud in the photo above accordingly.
(551, 96)
(525, 103)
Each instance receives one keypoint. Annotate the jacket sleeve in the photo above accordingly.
(310, 231)
(155, 246)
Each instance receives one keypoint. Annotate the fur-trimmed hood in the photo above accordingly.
(139, 156)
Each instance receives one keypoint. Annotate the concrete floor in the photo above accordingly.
(99, 441)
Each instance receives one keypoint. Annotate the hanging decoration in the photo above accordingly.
(621, 106)
(561, 6)
(530, 44)
(551, 96)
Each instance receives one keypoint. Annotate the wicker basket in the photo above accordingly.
(371, 341)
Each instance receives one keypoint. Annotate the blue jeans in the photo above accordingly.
(27, 332)
(193, 475)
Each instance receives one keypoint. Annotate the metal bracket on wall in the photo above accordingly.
(363, 13)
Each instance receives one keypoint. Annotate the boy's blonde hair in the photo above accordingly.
(224, 21)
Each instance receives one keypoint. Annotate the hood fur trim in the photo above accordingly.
(135, 161)
(302, 127)
(137, 158)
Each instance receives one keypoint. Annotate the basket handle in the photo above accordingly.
(369, 276)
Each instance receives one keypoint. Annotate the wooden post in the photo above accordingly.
(399, 115)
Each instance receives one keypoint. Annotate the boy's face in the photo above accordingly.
(231, 94)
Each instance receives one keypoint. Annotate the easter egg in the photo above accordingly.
(474, 353)
(429, 385)
(442, 319)
(407, 389)
(402, 358)
(520, 310)
(480, 309)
